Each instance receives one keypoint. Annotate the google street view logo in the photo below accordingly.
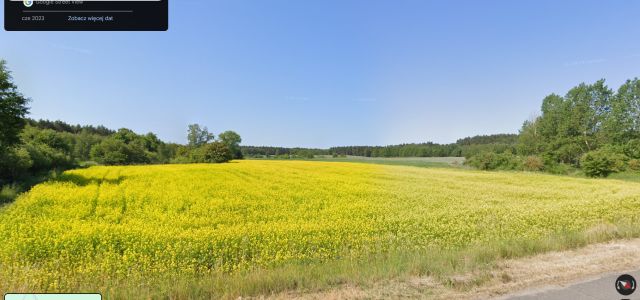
(27, 3)
(626, 284)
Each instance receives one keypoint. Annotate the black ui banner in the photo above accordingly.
(118, 15)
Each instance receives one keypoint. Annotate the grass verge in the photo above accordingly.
(10, 191)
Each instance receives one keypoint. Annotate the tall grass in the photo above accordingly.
(9, 192)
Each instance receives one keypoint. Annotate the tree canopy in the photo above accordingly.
(232, 140)
(198, 136)
(591, 127)
(13, 109)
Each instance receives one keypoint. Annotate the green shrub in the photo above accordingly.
(216, 152)
(634, 164)
(181, 160)
(196, 155)
(558, 168)
(533, 163)
(569, 154)
(14, 163)
(602, 162)
(112, 151)
(87, 164)
(482, 161)
(495, 161)
(46, 157)
(9, 192)
(632, 149)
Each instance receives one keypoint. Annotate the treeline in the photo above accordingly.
(75, 143)
(29, 148)
(403, 150)
(204, 147)
(466, 147)
(64, 127)
(281, 152)
(41, 148)
(496, 139)
(591, 128)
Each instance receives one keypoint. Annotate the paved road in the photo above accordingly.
(600, 288)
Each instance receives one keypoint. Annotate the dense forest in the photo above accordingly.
(281, 152)
(466, 147)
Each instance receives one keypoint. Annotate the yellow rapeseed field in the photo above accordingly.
(145, 221)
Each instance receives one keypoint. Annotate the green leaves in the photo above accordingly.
(198, 136)
(588, 117)
(602, 162)
(13, 110)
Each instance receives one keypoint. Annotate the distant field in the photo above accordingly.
(434, 162)
(260, 226)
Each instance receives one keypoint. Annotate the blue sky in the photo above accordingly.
(328, 73)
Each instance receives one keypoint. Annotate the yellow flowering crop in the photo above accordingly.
(196, 219)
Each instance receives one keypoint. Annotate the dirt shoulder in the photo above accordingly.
(508, 277)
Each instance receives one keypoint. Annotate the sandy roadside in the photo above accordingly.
(509, 277)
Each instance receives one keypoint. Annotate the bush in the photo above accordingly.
(558, 168)
(113, 151)
(9, 192)
(533, 163)
(14, 163)
(216, 152)
(495, 161)
(46, 158)
(632, 149)
(87, 164)
(569, 154)
(181, 160)
(482, 161)
(196, 155)
(602, 162)
(634, 164)
(110, 152)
